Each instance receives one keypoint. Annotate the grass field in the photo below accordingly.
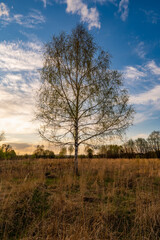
(111, 199)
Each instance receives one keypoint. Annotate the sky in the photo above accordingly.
(127, 29)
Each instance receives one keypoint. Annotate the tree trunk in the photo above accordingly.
(76, 149)
(76, 159)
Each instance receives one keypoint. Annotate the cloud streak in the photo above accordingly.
(45, 3)
(123, 9)
(133, 73)
(17, 56)
(149, 97)
(143, 73)
(31, 20)
(4, 11)
(140, 50)
(152, 16)
(153, 67)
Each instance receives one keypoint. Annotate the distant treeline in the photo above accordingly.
(139, 148)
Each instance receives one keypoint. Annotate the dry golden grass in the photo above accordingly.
(111, 199)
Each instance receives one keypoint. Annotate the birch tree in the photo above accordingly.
(80, 97)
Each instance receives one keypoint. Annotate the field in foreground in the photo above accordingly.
(111, 199)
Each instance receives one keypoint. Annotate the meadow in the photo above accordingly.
(112, 199)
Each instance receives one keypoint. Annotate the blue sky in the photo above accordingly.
(127, 29)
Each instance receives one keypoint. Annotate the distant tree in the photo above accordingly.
(49, 154)
(129, 147)
(141, 146)
(114, 151)
(2, 156)
(6, 148)
(111, 151)
(70, 149)
(63, 152)
(80, 97)
(26, 156)
(103, 151)
(7, 152)
(154, 142)
(89, 151)
(39, 152)
(11, 154)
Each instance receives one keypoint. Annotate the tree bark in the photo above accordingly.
(76, 148)
(76, 159)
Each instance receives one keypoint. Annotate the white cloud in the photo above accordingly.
(147, 100)
(19, 81)
(31, 20)
(4, 11)
(90, 16)
(17, 103)
(153, 67)
(123, 9)
(143, 73)
(140, 135)
(45, 3)
(14, 57)
(149, 97)
(133, 73)
(139, 117)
